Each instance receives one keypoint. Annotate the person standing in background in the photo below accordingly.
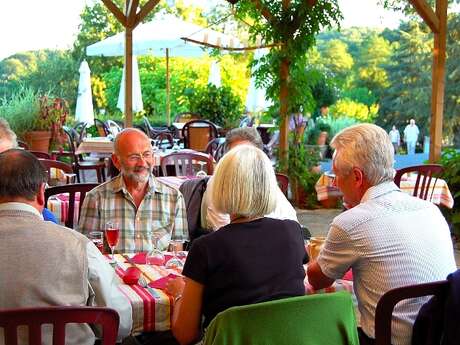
(395, 138)
(410, 136)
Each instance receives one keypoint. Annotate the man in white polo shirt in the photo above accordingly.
(388, 238)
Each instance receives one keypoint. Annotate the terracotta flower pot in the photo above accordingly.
(38, 140)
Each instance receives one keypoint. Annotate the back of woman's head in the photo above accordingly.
(245, 183)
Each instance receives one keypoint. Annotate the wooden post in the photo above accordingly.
(129, 77)
(168, 105)
(284, 125)
(438, 81)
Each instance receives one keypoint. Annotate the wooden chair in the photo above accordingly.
(386, 304)
(64, 167)
(79, 162)
(71, 189)
(283, 182)
(165, 139)
(59, 317)
(40, 154)
(198, 133)
(185, 163)
(425, 174)
(216, 148)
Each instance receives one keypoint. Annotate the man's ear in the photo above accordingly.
(41, 195)
(116, 161)
(358, 177)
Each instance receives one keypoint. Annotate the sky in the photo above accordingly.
(31, 24)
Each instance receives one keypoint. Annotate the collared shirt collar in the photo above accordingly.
(19, 206)
(379, 190)
(120, 186)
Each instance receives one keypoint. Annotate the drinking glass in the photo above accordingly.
(201, 173)
(97, 237)
(155, 256)
(70, 178)
(112, 234)
(176, 146)
(175, 262)
(155, 145)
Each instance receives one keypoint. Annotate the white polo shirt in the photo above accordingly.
(390, 240)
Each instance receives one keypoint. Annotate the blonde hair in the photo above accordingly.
(245, 183)
(367, 147)
(6, 134)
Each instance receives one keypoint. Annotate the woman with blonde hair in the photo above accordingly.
(252, 259)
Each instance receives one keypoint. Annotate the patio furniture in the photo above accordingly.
(198, 133)
(165, 140)
(113, 127)
(314, 319)
(102, 128)
(184, 163)
(216, 148)
(71, 202)
(50, 164)
(283, 182)
(59, 318)
(186, 117)
(425, 173)
(386, 304)
(40, 154)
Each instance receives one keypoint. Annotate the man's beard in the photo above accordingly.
(134, 174)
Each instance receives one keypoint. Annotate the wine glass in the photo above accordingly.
(112, 234)
(97, 237)
(155, 256)
(176, 146)
(201, 172)
(175, 262)
(155, 145)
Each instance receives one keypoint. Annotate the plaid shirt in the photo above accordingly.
(162, 211)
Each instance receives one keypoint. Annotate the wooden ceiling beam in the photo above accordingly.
(115, 11)
(426, 12)
(131, 8)
(145, 10)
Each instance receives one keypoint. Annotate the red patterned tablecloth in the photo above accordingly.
(152, 308)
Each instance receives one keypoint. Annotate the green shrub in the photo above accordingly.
(450, 160)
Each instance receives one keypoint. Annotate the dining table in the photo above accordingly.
(152, 307)
(441, 195)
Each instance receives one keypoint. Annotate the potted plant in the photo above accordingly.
(47, 128)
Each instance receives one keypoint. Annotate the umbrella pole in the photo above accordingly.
(129, 77)
(168, 106)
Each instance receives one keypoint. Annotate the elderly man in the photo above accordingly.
(143, 207)
(8, 140)
(213, 219)
(388, 238)
(45, 264)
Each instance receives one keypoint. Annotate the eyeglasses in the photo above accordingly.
(136, 157)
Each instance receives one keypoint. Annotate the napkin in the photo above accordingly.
(348, 275)
(161, 283)
(131, 275)
(140, 258)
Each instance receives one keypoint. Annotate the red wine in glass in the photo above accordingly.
(112, 234)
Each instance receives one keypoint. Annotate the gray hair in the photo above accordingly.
(367, 147)
(6, 134)
(249, 134)
(22, 174)
(245, 183)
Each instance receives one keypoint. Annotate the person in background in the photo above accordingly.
(8, 140)
(143, 206)
(211, 218)
(388, 238)
(411, 136)
(395, 138)
(252, 259)
(45, 264)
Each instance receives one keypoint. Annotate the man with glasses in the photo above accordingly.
(143, 207)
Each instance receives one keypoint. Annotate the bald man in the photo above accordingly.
(143, 207)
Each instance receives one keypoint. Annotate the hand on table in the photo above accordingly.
(175, 286)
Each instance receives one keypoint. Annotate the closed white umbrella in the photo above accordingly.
(137, 105)
(256, 97)
(84, 111)
(214, 74)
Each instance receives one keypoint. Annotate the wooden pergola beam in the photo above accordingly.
(426, 12)
(438, 81)
(131, 8)
(145, 10)
(115, 11)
